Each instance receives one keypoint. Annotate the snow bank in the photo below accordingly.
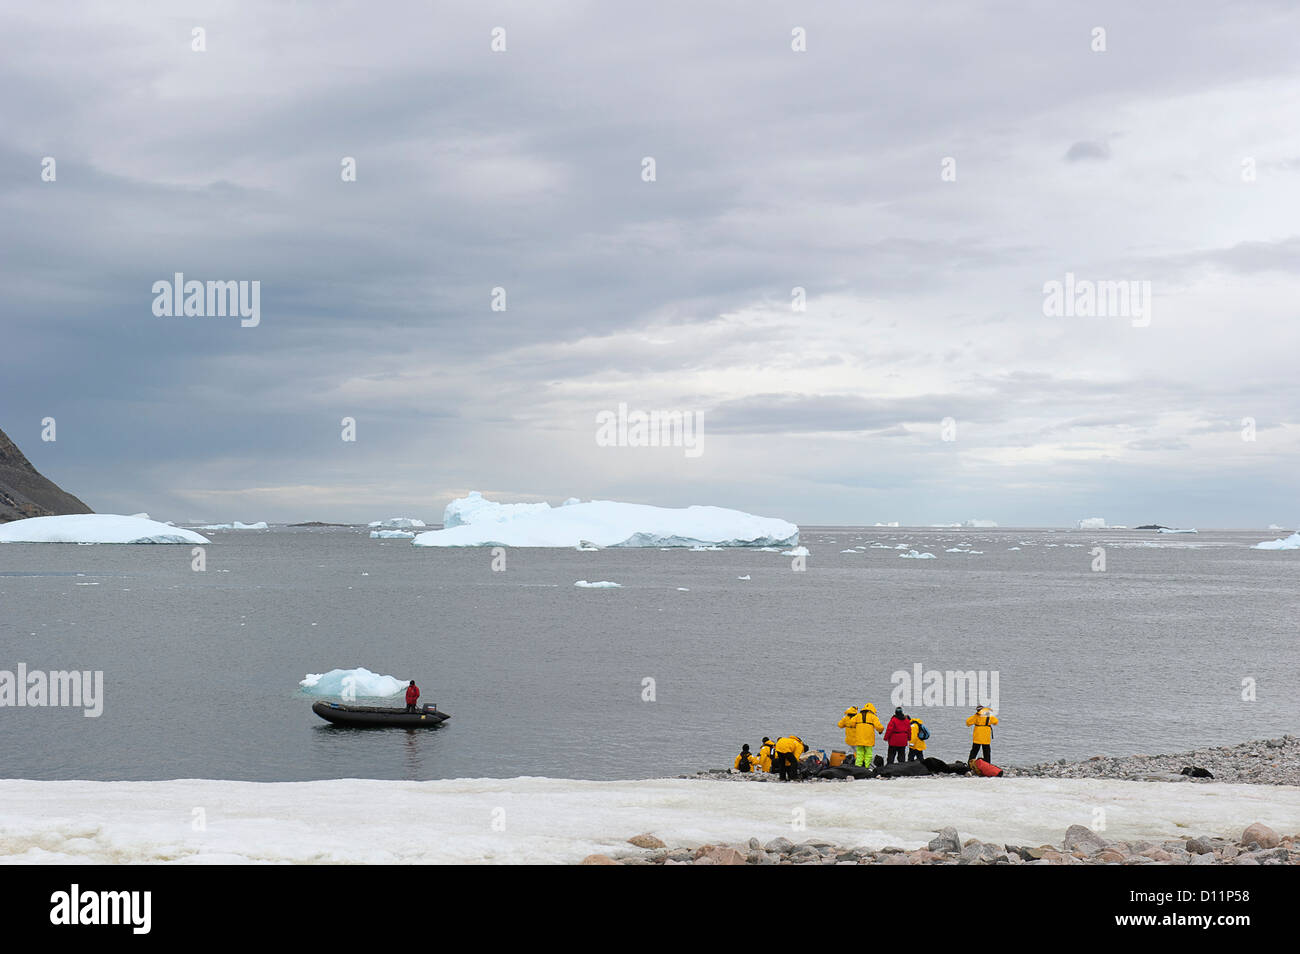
(361, 682)
(556, 821)
(95, 528)
(474, 521)
(1091, 523)
(398, 523)
(260, 525)
(391, 535)
(1286, 543)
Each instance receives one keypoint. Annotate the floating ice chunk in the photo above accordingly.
(398, 523)
(797, 551)
(475, 521)
(91, 528)
(913, 555)
(260, 525)
(1013, 548)
(1170, 530)
(352, 682)
(1286, 543)
(979, 523)
(1273, 526)
(599, 585)
(745, 577)
(391, 535)
(683, 589)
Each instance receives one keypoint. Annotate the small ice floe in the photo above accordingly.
(599, 585)
(1285, 543)
(391, 535)
(914, 555)
(745, 577)
(797, 551)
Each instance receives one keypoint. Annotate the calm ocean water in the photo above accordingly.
(543, 678)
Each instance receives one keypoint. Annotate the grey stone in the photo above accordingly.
(1082, 838)
(947, 841)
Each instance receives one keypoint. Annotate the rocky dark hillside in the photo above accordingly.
(25, 493)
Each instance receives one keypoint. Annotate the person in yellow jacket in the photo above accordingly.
(982, 735)
(789, 750)
(744, 761)
(850, 726)
(916, 748)
(867, 726)
(766, 754)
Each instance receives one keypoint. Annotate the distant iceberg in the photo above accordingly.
(979, 524)
(260, 525)
(1091, 523)
(1286, 543)
(598, 585)
(914, 555)
(95, 528)
(361, 683)
(892, 523)
(1170, 530)
(398, 523)
(391, 535)
(475, 521)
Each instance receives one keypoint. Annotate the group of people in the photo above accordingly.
(905, 737)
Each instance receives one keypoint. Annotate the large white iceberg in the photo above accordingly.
(398, 523)
(1286, 543)
(361, 683)
(95, 528)
(979, 523)
(474, 521)
(1091, 523)
(260, 525)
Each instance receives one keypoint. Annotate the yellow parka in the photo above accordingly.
(791, 743)
(868, 725)
(917, 742)
(753, 760)
(983, 721)
(850, 725)
(766, 753)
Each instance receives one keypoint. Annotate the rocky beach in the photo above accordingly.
(1260, 762)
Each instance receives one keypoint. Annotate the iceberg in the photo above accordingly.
(355, 682)
(95, 528)
(1169, 530)
(913, 555)
(260, 525)
(475, 521)
(1091, 523)
(1286, 543)
(398, 523)
(391, 535)
(980, 524)
(598, 585)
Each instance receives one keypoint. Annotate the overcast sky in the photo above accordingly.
(1172, 157)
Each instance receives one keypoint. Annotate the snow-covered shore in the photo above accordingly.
(536, 820)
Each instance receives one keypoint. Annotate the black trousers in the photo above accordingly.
(787, 767)
(915, 755)
(895, 754)
(975, 748)
(410, 707)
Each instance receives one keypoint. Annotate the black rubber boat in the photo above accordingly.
(377, 717)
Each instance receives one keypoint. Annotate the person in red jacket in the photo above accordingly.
(412, 696)
(897, 736)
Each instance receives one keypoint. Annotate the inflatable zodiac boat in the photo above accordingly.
(375, 717)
